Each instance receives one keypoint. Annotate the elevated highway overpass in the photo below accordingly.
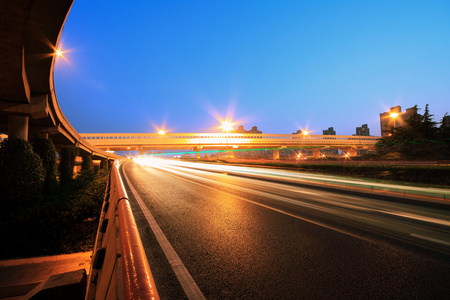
(221, 141)
(29, 36)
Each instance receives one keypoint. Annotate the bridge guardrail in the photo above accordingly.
(137, 141)
(119, 267)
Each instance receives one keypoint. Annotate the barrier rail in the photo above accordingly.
(125, 141)
(119, 268)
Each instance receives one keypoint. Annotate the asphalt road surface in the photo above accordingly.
(209, 234)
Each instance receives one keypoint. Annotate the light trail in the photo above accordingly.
(390, 216)
(287, 174)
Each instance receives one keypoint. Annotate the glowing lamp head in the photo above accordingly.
(394, 115)
(162, 132)
(305, 132)
(227, 126)
(58, 52)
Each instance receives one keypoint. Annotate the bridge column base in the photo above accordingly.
(352, 152)
(276, 154)
(18, 126)
(316, 153)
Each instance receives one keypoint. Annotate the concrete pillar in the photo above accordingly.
(316, 153)
(18, 126)
(352, 152)
(197, 152)
(276, 154)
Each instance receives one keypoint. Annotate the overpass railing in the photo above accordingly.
(135, 139)
(119, 268)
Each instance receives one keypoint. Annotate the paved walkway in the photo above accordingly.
(18, 276)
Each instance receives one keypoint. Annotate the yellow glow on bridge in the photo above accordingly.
(227, 126)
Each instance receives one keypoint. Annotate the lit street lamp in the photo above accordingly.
(393, 116)
(227, 126)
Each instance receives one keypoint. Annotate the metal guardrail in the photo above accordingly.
(148, 141)
(119, 268)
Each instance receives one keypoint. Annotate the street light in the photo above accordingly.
(162, 132)
(227, 126)
(393, 116)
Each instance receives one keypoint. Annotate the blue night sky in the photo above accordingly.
(135, 66)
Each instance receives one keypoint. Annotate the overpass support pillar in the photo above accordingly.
(197, 152)
(316, 153)
(352, 152)
(276, 154)
(18, 126)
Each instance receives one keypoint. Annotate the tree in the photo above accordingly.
(66, 165)
(47, 152)
(21, 173)
(419, 138)
(87, 164)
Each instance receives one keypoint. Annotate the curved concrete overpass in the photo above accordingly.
(29, 34)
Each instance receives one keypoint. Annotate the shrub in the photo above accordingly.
(47, 152)
(21, 173)
(87, 164)
(66, 165)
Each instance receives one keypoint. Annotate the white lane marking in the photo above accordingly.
(406, 215)
(181, 175)
(184, 277)
(430, 239)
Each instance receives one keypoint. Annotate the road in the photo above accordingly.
(209, 234)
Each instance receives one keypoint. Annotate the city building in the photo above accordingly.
(394, 118)
(329, 131)
(329, 152)
(241, 129)
(363, 130)
(446, 121)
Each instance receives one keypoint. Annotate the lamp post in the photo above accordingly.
(227, 126)
(393, 116)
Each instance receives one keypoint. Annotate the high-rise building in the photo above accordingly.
(363, 130)
(446, 121)
(394, 118)
(333, 152)
(329, 131)
(241, 129)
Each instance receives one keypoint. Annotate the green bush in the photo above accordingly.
(87, 164)
(66, 165)
(47, 152)
(65, 221)
(21, 173)
(104, 164)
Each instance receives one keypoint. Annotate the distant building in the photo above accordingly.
(446, 121)
(394, 118)
(329, 152)
(329, 131)
(363, 130)
(241, 129)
